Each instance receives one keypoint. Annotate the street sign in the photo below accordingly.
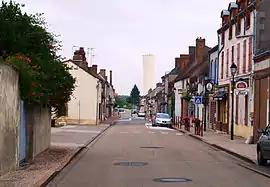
(198, 100)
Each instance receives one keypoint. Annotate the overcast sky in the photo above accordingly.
(122, 30)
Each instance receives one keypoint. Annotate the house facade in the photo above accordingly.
(262, 68)
(93, 98)
(213, 78)
(190, 82)
(236, 46)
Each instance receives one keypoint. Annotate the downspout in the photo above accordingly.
(97, 108)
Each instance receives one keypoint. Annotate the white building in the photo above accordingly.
(236, 46)
(148, 73)
(83, 107)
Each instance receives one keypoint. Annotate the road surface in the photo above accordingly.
(164, 153)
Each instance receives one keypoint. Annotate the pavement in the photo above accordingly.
(132, 154)
(223, 141)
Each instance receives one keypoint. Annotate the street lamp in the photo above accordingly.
(205, 102)
(233, 72)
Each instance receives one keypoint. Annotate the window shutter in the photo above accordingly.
(250, 54)
(222, 66)
(238, 57)
(244, 56)
(227, 63)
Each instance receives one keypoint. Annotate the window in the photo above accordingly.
(244, 56)
(227, 62)
(250, 54)
(246, 109)
(247, 19)
(232, 54)
(238, 57)
(237, 110)
(230, 31)
(222, 65)
(222, 37)
(238, 26)
(211, 69)
(216, 70)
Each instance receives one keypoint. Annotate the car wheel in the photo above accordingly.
(260, 159)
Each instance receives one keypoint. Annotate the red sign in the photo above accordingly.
(241, 85)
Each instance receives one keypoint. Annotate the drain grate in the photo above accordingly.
(131, 163)
(172, 180)
(153, 147)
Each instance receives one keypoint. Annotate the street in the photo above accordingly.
(131, 154)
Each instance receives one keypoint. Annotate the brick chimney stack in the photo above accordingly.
(80, 59)
(103, 73)
(111, 77)
(200, 49)
(94, 68)
(183, 61)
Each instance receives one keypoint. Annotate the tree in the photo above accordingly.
(134, 98)
(26, 44)
(120, 102)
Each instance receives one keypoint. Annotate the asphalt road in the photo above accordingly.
(178, 156)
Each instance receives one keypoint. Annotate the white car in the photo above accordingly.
(162, 119)
(141, 114)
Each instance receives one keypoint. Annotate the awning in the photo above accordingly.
(220, 96)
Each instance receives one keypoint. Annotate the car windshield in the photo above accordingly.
(166, 116)
(121, 110)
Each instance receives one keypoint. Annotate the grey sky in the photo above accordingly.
(123, 30)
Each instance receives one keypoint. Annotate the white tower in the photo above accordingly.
(148, 73)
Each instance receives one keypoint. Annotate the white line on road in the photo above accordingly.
(164, 132)
(137, 132)
(179, 134)
(123, 132)
(80, 131)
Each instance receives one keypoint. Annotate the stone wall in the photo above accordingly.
(9, 117)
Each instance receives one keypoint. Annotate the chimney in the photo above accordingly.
(200, 49)
(94, 68)
(159, 85)
(103, 73)
(80, 59)
(183, 60)
(111, 77)
(191, 52)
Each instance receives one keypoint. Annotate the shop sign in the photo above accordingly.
(241, 85)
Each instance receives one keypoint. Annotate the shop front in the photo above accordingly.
(221, 97)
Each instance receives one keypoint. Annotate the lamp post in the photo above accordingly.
(205, 102)
(233, 72)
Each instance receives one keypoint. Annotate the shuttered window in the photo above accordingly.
(227, 63)
(250, 54)
(238, 57)
(244, 56)
(222, 66)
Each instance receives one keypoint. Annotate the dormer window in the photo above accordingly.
(247, 19)
(238, 26)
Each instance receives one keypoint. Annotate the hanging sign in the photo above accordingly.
(241, 85)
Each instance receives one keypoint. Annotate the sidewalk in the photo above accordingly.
(236, 147)
(66, 143)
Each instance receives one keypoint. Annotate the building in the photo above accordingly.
(93, 98)
(236, 46)
(191, 81)
(213, 77)
(148, 73)
(262, 67)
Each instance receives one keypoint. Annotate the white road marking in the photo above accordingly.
(164, 132)
(123, 132)
(150, 132)
(161, 128)
(137, 132)
(179, 134)
(68, 127)
(66, 144)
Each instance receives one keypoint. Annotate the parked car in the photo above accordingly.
(141, 114)
(134, 111)
(121, 110)
(263, 146)
(162, 119)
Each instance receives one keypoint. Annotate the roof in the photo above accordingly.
(90, 72)
(214, 49)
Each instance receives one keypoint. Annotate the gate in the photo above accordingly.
(22, 140)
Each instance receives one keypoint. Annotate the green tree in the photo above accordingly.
(26, 44)
(134, 98)
(120, 101)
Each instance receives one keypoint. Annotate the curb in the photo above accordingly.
(47, 179)
(246, 159)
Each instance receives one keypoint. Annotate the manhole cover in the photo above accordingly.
(131, 164)
(154, 147)
(172, 180)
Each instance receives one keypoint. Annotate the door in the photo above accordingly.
(22, 140)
